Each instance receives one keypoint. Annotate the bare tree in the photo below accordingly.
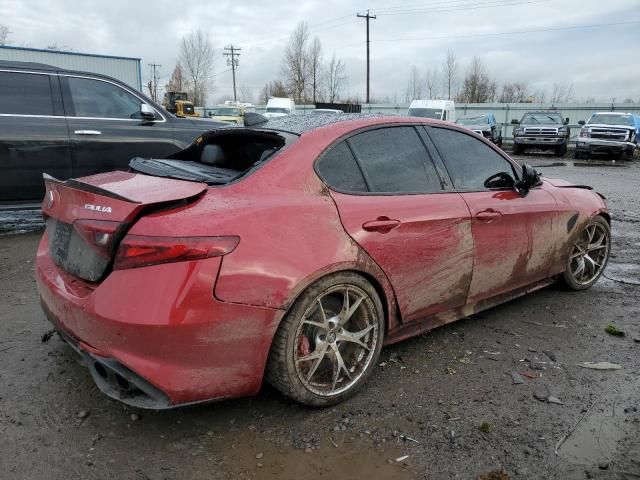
(177, 81)
(449, 69)
(196, 54)
(414, 85)
(295, 65)
(315, 66)
(477, 87)
(515, 92)
(276, 88)
(58, 48)
(335, 78)
(246, 93)
(431, 80)
(561, 93)
(4, 34)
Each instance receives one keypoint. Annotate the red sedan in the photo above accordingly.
(295, 249)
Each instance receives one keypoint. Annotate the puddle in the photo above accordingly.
(625, 272)
(610, 421)
(352, 458)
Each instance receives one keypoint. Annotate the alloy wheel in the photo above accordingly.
(336, 340)
(589, 254)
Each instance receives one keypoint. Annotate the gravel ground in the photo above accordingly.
(446, 401)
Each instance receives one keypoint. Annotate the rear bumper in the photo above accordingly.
(161, 330)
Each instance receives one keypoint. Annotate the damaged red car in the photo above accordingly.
(293, 250)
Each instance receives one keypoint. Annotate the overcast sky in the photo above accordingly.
(601, 61)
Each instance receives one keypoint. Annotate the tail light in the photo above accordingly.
(141, 251)
(100, 235)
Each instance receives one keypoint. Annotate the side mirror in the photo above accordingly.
(146, 112)
(530, 179)
(581, 122)
(566, 121)
(500, 180)
(515, 121)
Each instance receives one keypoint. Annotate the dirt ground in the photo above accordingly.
(440, 406)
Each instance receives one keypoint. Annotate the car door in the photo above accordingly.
(106, 128)
(512, 234)
(393, 203)
(33, 134)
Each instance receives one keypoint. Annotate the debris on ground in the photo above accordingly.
(542, 394)
(600, 365)
(529, 375)
(550, 354)
(402, 458)
(517, 378)
(486, 427)
(535, 365)
(46, 336)
(409, 439)
(613, 330)
(82, 414)
(494, 475)
(451, 371)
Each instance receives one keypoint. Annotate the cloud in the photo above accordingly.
(600, 62)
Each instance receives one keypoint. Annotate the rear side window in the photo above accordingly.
(98, 99)
(25, 94)
(469, 161)
(339, 169)
(394, 160)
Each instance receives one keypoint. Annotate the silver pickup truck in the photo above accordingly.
(609, 132)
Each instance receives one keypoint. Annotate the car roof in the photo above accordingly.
(301, 124)
(543, 111)
(27, 65)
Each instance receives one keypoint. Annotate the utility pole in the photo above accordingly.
(154, 80)
(231, 52)
(367, 17)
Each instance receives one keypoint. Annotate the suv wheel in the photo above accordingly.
(561, 150)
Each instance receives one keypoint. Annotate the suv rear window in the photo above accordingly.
(25, 94)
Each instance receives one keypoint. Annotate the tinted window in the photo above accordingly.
(25, 94)
(469, 161)
(339, 169)
(394, 160)
(94, 98)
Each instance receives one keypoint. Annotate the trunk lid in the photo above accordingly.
(87, 217)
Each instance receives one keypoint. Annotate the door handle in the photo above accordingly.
(380, 224)
(488, 215)
(88, 132)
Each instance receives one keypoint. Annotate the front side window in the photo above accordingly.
(25, 94)
(469, 161)
(395, 160)
(98, 99)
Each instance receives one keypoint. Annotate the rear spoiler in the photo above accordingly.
(86, 187)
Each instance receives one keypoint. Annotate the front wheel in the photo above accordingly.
(589, 255)
(329, 342)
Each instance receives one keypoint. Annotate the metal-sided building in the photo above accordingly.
(125, 69)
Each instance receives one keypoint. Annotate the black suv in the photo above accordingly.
(541, 130)
(71, 124)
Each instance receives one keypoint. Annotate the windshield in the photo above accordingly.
(477, 120)
(229, 112)
(542, 119)
(426, 113)
(611, 119)
(277, 110)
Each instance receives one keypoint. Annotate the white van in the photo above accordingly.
(280, 107)
(438, 109)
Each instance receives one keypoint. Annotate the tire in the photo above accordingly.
(517, 150)
(318, 326)
(578, 155)
(592, 260)
(561, 150)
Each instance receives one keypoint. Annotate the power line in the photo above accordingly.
(367, 17)
(450, 6)
(230, 52)
(518, 32)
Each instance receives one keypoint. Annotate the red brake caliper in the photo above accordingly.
(304, 346)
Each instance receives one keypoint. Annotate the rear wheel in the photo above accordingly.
(589, 255)
(517, 149)
(329, 342)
